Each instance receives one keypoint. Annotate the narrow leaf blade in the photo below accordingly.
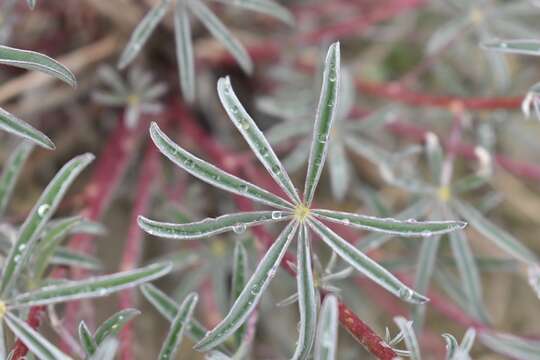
(254, 137)
(32, 60)
(14, 125)
(252, 292)
(98, 286)
(86, 339)
(184, 51)
(238, 223)
(178, 326)
(327, 330)
(267, 7)
(364, 264)
(211, 174)
(11, 171)
(113, 325)
(326, 111)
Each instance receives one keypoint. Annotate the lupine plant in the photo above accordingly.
(301, 217)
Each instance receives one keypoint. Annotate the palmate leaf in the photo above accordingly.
(211, 174)
(142, 32)
(211, 226)
(222, 34)
(500, 237)
(254, 137)
(38, 217)
(327, 329)
(11, 171)
(86, 339)
(178, 326)
(168, 308)
(326, 111)
(184, 51)
(35, 342)
(307, 301)
(98, 286)
(252, 293)
(113, 325)
(364, 264)
(524, 47)
(32, 60)
(390, 226)
(14, 125)
(267, 7)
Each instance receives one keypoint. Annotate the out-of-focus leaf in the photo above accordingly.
(67, 257)
(220, 32)
(14, 125)
(339, 168)
(184, 51)
(211, 226)
(267, 7)
(327, 330)
(511, 346)
(11, 171)
(211, 174)
(524, 47)
(142, 32)
(252, 292)
(326, 111)
(35, 342)
(89, 288)
(491, 231)
(178, 326)
(254, 137)
(32, 60)
(106, 351)
(38, 217)
(364, 264)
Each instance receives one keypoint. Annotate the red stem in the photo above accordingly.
(34, 320)
(148, 175)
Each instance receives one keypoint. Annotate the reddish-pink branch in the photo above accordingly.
(34, 320)
(131, 255)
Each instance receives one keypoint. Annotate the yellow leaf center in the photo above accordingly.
(444, 193)
(301, 212)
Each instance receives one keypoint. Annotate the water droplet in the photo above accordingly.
(188, 163)
(234, 109)
(239, 228)
(244, 124)
(42, 209)
(17, 258)
(22, 247)
(406, 294)
(411, 221)
(426, 233)
(332, 76)
(346, 222)
(323, 138)
(276, 215)
(276, 169)
(244, 188)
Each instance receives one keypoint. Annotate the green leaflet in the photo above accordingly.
(98, 286)
(38, 217)
(114, 324)
(142, 32)
(32, 60)
(239, 280)
(409, 337)
(86, 339)
(252, 293)
(211, 226)
(254, 137)
(307, 301)
(35, 342)
(11, 172)
(364, 264)
(389, 225)
(327, 330)
(220, 32)
(211, 174)
(14, 125)
(184, 51)
(178, 326)
(326, 110)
